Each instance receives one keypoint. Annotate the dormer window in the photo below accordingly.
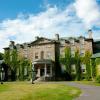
(18, 47)
(82, 41)
(62, 42)
(72, 41)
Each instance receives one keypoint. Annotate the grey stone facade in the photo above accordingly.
(44, 53)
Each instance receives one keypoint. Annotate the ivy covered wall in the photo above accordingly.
(77, 67)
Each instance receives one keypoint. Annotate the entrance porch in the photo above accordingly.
(43, 68)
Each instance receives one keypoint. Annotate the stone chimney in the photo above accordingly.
(56, 36)
(90, 34)
(36, 37)
(12, 44)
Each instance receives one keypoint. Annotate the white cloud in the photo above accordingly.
(67, 23)
(88, 11)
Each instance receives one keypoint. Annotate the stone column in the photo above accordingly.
(38, 72)
(51, 69)
(45, 70)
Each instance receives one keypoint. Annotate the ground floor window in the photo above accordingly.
(25, 71)
(73, 69)
(83, 68)
(48, 69)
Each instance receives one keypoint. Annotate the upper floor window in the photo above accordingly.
(72, 51)
(25, 52)
(82, 52)
(48, 55)
(42, 54)
(49, 46)
(25, 55)
(83, 68)
(37, 47)
(36, 55)
(62, 51)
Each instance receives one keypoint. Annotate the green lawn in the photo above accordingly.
(42, 91)
(88, 83)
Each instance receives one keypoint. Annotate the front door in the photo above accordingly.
(41, 72)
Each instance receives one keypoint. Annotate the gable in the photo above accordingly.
(42, 41)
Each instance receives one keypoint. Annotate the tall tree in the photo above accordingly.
(11, 60)
(13, 63)
(7, 57)
(77, 64)
(1, 56)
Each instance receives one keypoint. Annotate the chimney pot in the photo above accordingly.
(36, 38)
(90, 33)
(57, 36)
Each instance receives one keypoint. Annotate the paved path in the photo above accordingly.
(88, 92)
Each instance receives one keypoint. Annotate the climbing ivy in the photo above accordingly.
(86, 61)
(77, 60)
(24, 69)
(66, 60)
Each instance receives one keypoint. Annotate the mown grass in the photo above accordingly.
(44, 91)
(4, 87)
(88, 83)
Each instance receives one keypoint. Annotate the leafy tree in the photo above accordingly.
(93, 62)
(13, 63)
(97, 61)
(1, 56)
(7, 57)
(11, 60)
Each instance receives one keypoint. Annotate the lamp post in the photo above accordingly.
(1, 74)
(33, 74)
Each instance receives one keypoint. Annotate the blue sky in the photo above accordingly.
(11, 8)
(22, 20)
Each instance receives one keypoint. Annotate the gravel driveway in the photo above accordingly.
(88, 92)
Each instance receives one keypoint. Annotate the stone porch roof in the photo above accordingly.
(43, 61)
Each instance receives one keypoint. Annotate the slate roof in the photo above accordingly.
(1, 61)
(96, 55)
(96, 40)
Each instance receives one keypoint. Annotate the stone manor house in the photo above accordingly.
(44, 53)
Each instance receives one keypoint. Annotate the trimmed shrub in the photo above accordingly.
(98, 79)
